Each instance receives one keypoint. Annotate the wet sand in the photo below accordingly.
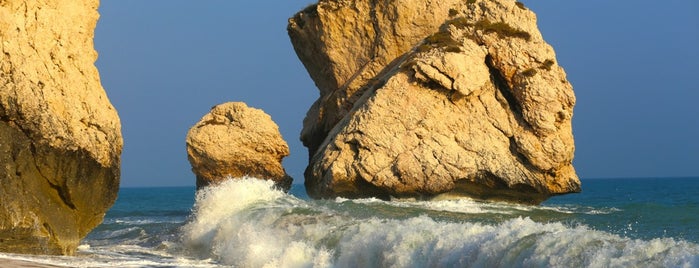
(8, 263)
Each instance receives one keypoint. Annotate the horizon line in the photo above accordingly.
(582, 179)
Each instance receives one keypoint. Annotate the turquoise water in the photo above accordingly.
(245, 223)
(639, 208)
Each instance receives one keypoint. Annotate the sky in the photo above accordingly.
(634, 66)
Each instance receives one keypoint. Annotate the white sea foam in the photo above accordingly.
(460, 205)
(144, 221)
(470, 206)
(235, 222)
(246, 223)
(88, 257)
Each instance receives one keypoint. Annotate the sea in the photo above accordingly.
(651, 222)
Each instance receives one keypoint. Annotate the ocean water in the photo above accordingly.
(246, 223)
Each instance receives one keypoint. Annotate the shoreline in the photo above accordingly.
(9, 261)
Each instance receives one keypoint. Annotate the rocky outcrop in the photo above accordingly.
(234, 140)
(60, 138)
(434, 98)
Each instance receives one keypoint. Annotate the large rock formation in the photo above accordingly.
(428, 98)
(233, 141)
(60, 138)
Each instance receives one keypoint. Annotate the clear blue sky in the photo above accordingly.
(634, 66)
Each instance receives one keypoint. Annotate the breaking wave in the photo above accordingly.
(247, 223)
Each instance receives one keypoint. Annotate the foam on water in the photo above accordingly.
(120, 256)
(247, 223)
(470, 206)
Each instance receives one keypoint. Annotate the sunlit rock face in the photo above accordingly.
(434, 99)
(60, 137)
(234, 141)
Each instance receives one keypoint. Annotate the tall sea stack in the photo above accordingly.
(60, 138)
(434, 98)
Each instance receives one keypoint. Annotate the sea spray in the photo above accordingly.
(241, 222)
(247, 223)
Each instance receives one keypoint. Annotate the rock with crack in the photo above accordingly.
(434, 99)
(60, 138)
(233, 141)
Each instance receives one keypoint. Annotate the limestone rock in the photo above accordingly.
(344, 45)
(434, 98)
(234, 140)
(60, 138)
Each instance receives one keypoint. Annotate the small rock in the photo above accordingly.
(234, 140)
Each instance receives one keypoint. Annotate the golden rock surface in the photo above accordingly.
(234, 140)
(60, 137)
(434, 98)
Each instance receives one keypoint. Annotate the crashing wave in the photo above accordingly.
(247, 223)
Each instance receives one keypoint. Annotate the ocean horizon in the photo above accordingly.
(618, 222)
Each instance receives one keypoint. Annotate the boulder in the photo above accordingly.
(60, 137)
(233, 141)
(434, 99)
